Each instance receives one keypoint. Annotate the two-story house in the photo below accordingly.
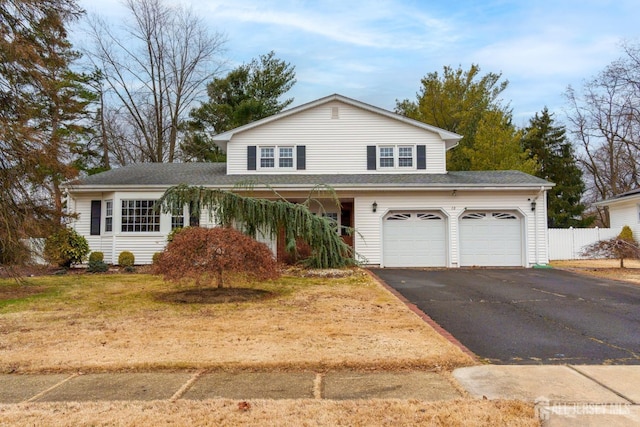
(389, 173)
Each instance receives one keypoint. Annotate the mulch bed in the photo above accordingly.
(215, 295)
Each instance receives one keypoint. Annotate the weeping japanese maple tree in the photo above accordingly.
(250, 215)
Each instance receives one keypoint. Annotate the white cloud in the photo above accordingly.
(383, 24)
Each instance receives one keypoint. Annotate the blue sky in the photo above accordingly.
(377, 51)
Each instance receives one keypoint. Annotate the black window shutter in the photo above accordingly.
(96, 205)
(251, 157)
(422, 157)
(371, 157)
(301, 157)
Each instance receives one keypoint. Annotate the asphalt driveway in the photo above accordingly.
(526, 316)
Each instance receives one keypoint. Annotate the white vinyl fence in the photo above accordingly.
(568, 243)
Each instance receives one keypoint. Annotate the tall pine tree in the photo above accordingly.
(547, 143)
(248, 93)
(42, 102)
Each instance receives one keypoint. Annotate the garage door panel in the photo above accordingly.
(414, 239)
(492, 239)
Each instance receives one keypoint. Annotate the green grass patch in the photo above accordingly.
(130, 293)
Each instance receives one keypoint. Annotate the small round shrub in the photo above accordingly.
(126, 259)
(155, 259)
(97, 267)
(626, 234)
(96, 256)
(66, 247)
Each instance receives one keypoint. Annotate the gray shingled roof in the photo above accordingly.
(621, 196)
(214, 174)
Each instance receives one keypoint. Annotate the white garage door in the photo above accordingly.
(492, 239)
(414, 239)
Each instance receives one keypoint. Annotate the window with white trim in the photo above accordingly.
(405, 157)
(108, 216)
(267, 157)
(177, 221)
(277, 157)
(285, 157)
(396, 157)
(140, 216)
(386, 157)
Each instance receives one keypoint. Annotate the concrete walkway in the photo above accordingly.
(569, 395)
(564, 395)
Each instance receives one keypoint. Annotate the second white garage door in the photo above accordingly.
(491, 239)
(414, 239)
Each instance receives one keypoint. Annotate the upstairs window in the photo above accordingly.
(405, 157)
(277, 157)
(285, 157)
(267, 157)
(400, 157)
(396, 156)
(386, 157)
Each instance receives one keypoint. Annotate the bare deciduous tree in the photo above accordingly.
(604, 121)
(155, 67)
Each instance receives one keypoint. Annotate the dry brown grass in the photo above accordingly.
(605, 268)
(119, 322)
(221, 412)
(122, 322)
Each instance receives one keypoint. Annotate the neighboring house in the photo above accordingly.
(624, 209)
(388, 171)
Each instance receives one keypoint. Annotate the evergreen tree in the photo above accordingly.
(497, 146)
(42, 101)
(467, 103)
(248, 93)
(547, 143)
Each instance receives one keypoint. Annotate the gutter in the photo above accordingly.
(307, 187)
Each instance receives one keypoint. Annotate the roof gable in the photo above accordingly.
(451, 139)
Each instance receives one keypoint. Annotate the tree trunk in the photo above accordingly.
(219, 281)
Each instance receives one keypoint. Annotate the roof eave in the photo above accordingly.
(350, 186)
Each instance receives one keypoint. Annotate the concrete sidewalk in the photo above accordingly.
(570, 395)
(341, 385)
(564, 395)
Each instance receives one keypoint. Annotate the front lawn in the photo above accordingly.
(135, 322)
(605, 268)
(120, 322)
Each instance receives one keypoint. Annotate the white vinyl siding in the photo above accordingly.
(336, 146)
(626, 213)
